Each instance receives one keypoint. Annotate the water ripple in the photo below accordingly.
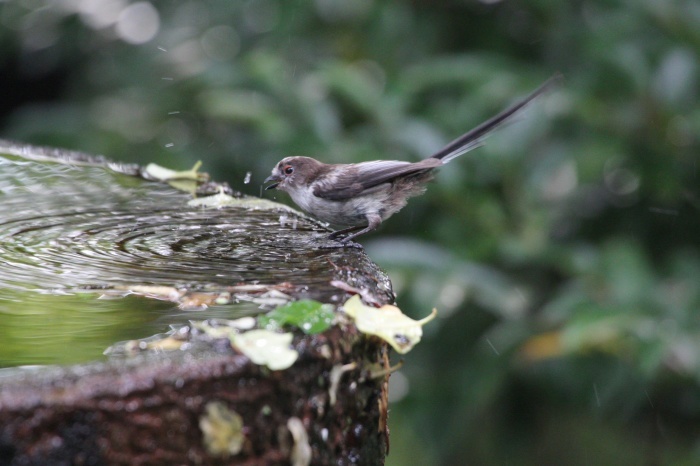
(72, 226)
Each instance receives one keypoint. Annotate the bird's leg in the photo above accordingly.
(373, 221)
(337, 233)
(343, 243)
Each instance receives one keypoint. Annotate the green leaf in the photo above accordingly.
(310, 316)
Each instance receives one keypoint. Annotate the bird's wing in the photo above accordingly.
(360, 177)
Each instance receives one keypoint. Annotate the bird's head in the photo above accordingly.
(293, 172)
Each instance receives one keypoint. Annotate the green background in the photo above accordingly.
(562, 257)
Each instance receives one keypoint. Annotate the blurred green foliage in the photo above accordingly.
(563, 256)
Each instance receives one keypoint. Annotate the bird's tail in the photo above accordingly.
(475, 137)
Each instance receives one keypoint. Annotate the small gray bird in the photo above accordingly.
(359, 196)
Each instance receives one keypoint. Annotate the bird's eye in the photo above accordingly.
(288, 170)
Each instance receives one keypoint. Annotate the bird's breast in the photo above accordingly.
(346, 212)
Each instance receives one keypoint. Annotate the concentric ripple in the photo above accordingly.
(68, 227)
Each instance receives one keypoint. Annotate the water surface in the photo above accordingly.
(77, 234)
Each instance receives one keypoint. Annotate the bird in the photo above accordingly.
(358, 197)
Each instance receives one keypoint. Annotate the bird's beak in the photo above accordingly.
(272, 178)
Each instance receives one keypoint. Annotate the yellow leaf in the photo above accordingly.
(388, 323)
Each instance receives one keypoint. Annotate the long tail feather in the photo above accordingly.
(474, 138)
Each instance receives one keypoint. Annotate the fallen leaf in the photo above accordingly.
(388, 323)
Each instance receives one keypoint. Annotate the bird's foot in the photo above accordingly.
(333, 242)
(338, 245)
